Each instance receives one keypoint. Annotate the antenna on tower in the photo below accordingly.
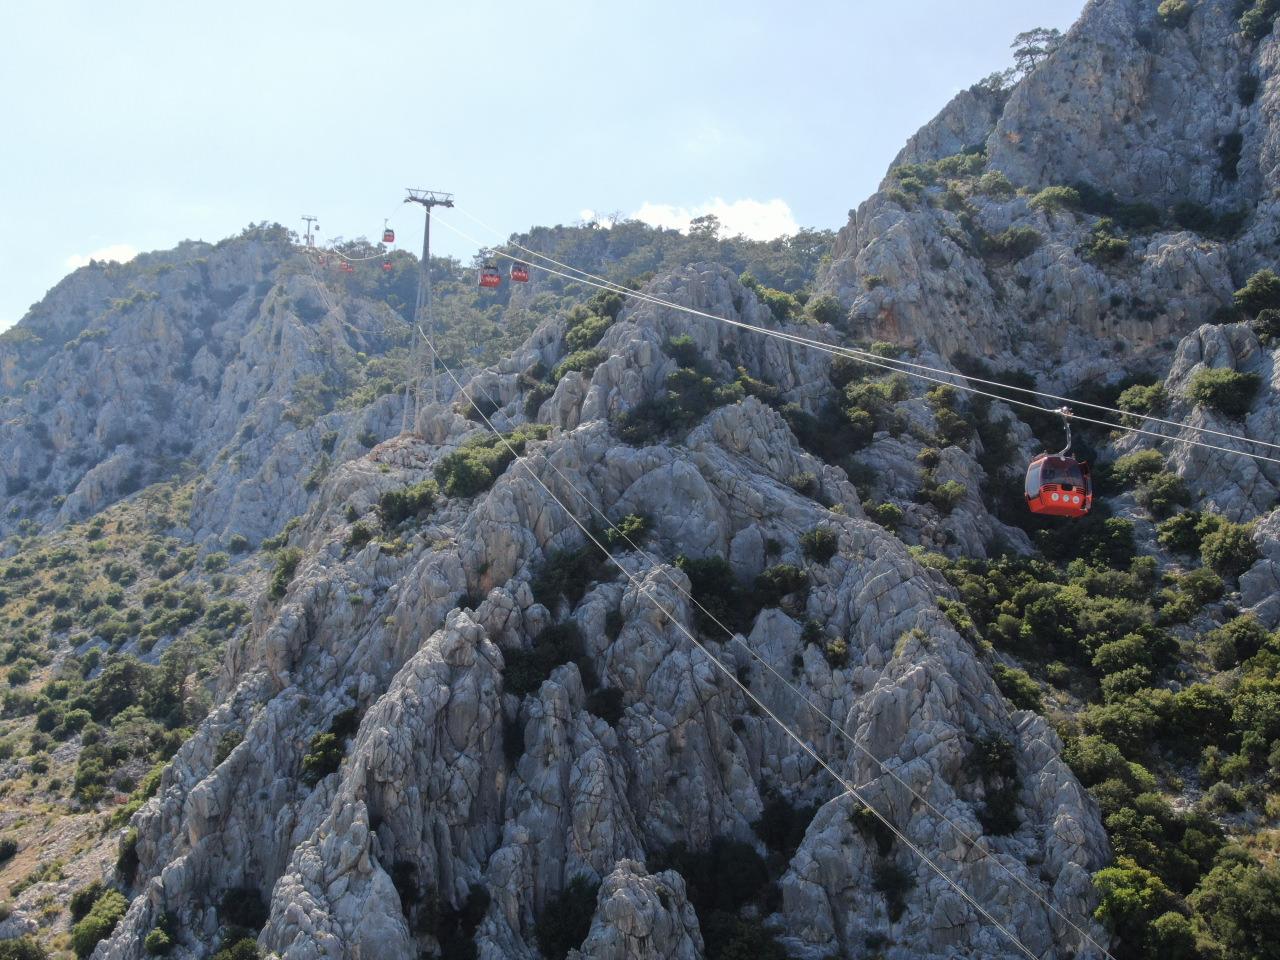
(422, 319)
(310, 220)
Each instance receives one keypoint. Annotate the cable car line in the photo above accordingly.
(837, 726)
(873, 359)
(725, 670)
(627, 291)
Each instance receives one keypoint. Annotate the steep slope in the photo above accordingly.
(471, 767)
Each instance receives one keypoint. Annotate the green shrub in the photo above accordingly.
(226, 744)
(566, 575)
(725, 877)
(1203, 585)
(1056, 198)
(1229, 549)
(158, 943)
(287, 561)
(358, 536)
(584, 361)
(1174, 13)
(1022, 691)
(894, 882)
(127, 859)
(322, 758)
(246, 948)
(944, 496)
(1236, 640)
(1260, 292)
(1239, 902)
(1141, 399)
(826, 309)
(730, 937)
(836, 651)
(396, 506)
(995, 184)
(243, 907)
(558, 644)
(1103, 245)
(1014, 243)
(216, 562)
(566, 918)
(631, 529)
(1266, 326)
(1161, 493)
(819, 544)
(474, 466)
(805, 484)
(23, 948)
(98, 922)
(1226, 391)
(1138, 466)
(606, 703)
(719, 595)
(1130, 899)
(1184, 532)
(585, 329)
(779, 581)
(887, 515)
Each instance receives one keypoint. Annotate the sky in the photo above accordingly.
(133, 126)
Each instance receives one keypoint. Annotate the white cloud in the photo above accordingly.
(756, 219)
(120, 252)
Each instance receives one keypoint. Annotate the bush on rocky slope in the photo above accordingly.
(1226, 391)
(473, 467)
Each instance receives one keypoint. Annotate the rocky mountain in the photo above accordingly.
(659, 637)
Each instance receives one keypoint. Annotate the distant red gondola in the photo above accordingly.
(346, 267)
(489, 276)
(520, 273)
(386, 265)
(388, 235)
(1059, 485)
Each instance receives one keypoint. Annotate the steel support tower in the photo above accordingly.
(423, 321)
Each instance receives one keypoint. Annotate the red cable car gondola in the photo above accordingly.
(346, 267)
(388, 235)
(386, 265)
(1059, 485)
(489, 276)
(520, 273)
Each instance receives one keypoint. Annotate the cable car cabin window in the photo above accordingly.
(1062, 472)
(1033, 480)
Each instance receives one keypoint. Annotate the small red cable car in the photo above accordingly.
(520, 273)
(386, 265)
(388, 235)
(346, 267)
(489, 276)
(1059, 485)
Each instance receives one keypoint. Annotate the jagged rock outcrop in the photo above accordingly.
(211, 354)
(453, 783)
(422, 738)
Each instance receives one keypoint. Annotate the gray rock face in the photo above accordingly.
(964, 123)
(453, 783)
(642, 917)
(205, 353)
(1139, 108)
(1128, 105)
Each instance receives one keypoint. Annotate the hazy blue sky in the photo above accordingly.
(131, 126)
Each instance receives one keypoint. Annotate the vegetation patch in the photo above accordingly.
(566, 918)
(473, 467)
(415, 501)
(558, 644)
